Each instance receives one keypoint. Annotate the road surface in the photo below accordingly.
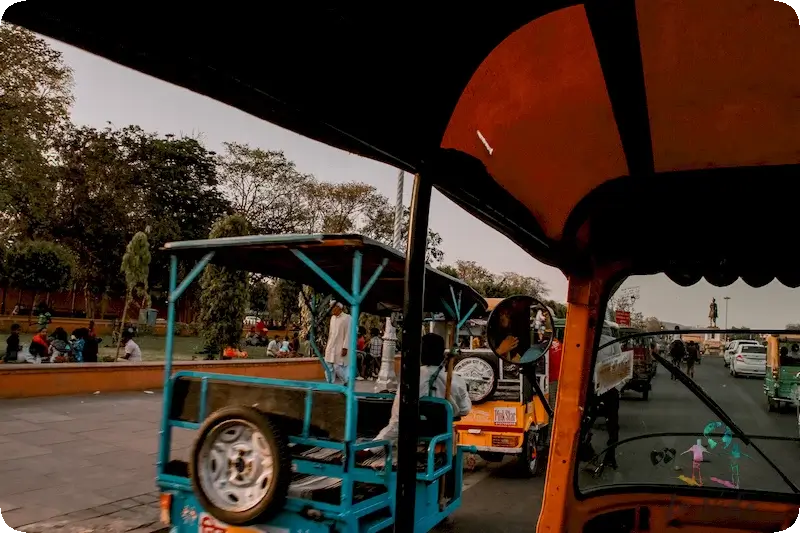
(672, 409)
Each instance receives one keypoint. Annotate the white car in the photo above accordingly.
(732, 348)
(749, 360)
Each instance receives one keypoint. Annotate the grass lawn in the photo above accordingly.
(184, 348)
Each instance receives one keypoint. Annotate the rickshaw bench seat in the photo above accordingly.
(328, 415)
(327, 489)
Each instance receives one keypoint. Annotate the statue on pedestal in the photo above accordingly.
(713, 313)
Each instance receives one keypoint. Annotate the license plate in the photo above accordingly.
(208, 524)
(505, 416)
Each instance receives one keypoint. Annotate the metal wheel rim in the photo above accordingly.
(478, 375)
(236, 466)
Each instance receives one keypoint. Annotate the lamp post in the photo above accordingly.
(726, 298)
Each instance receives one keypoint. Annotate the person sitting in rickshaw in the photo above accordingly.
(784, 357)
(794, 353)
(513, 337)
(432, 382)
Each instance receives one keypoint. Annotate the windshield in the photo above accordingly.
(723, 420)
(754, 350)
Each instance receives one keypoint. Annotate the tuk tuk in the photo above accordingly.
(782, 379)
(275, 455)
(507, 417)
(644, 367)
(546, 121)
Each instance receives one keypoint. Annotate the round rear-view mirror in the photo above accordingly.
(520, 330)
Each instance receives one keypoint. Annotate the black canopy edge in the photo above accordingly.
(463, 179)
(189, 73)
(721, 238)
(615, 30)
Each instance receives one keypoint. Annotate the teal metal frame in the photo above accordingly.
(346, 512)
(316, 317)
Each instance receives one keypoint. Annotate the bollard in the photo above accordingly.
(387, 379)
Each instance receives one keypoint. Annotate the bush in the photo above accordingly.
(40, 266)
(224, 296)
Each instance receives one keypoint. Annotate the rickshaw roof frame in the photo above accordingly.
(354, 296)
(218, 251)
(411, 126)
(306, 259)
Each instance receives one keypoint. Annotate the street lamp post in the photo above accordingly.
(387, 379)
(727, 335)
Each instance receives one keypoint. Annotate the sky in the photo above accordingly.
(106, 93)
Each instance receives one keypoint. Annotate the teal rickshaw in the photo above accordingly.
(285, 456)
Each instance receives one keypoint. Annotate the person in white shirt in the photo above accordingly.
(431, 359)
(338, 342)
(273, 347)
(133, 353)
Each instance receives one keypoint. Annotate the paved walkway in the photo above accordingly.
(86, 460)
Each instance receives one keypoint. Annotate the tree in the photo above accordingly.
(93, 198)
(265, 188)
(341, 207)
(652, 324)
(224, 297)
(793, 326)
(4, 281)
(40, 266)
(491, 285)
(559, 308)
(471, 273)
(136, 267)
(637, 320)
(176, 190)
(135, 180)
(259, 295)
(742, 333)
(380, 227)
(284, 299)
(35, 95)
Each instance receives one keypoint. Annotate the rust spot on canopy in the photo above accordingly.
(540, 101)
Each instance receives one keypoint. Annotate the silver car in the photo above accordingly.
(732, 349)
(749, 360)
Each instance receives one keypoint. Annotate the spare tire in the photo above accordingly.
(240, 467)
(479, 371)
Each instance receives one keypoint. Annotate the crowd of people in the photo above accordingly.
(81, 346)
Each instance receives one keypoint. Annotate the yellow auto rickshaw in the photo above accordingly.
(508, 417)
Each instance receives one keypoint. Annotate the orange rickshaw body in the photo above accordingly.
(541, 102)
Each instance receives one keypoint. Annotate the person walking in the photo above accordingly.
(338, 342)
(692, 356)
